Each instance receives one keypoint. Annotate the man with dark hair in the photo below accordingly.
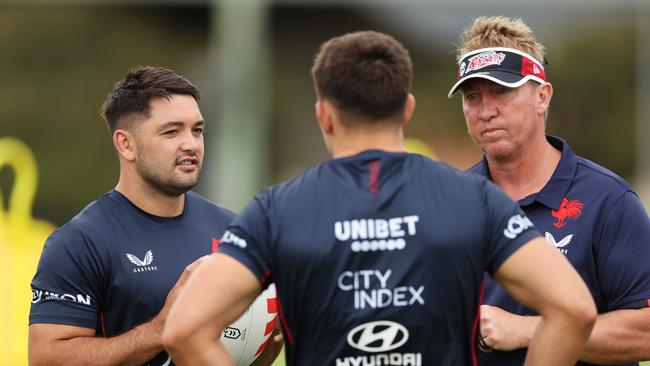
(377, 254)
(383, 93)
(587, 212)
(106, 279)
(131, 95)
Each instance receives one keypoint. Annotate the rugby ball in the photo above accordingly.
(246, 338)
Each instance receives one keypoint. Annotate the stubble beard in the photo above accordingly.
(171, 185)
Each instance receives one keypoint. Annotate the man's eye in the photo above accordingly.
(198, 131)
(471, 96)
(170, 132)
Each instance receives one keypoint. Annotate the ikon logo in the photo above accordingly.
(36, 296)
(516, 225)
(378, 336)
(232, 333)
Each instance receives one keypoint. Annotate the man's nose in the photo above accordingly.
(487, 108)
(191, 142)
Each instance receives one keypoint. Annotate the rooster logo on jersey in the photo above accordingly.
(571, 209)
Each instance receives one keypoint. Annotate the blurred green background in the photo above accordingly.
(59, 62)
(251, 59)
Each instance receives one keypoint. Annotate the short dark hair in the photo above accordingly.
(364, 74)
(132, 94)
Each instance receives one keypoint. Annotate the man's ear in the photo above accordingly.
(409, 107)
(545, 93)
(124, 143)
(325, 116)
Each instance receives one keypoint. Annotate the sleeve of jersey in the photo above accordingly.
(508, 227)
(623, 255)
(65, 289)
(248, 239)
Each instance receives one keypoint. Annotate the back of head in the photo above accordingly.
(500, 31)
(131, 95)
(366, 75)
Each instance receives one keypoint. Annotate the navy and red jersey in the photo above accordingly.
(378, 258)
(111, 267)
(592, 216)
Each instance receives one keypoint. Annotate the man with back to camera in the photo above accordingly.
(106, 279)
(587, 212)
(377, 254)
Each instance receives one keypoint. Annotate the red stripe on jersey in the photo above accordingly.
(265, 277)
(215, 244)
(374, 176)
(476, 321)
(649, 303)
(284, 323)
(101, 321)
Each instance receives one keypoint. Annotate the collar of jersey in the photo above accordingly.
(118, 196)
(370, 154)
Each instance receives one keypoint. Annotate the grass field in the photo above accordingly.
(280, 360)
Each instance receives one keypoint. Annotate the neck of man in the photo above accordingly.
(148, 198)
(368, 136)
(525, 172)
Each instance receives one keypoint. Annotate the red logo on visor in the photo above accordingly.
(485, 59)
(529, 67)
(568, 209)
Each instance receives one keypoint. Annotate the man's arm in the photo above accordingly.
(58, 344)
(218, 292)
(619, 336)
(539, 277)
(621, 261)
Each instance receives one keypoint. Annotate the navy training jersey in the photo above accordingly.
(111, 267)
(593, 217)
(378, 258)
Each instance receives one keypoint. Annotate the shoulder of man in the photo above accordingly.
(476, 168)
(205, 204)
(604, 177)
(304, 179)
(75, 235)
(90, 217)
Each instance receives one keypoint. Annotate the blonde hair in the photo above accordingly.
(500, 31)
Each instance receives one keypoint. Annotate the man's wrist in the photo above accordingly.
(152, 330)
